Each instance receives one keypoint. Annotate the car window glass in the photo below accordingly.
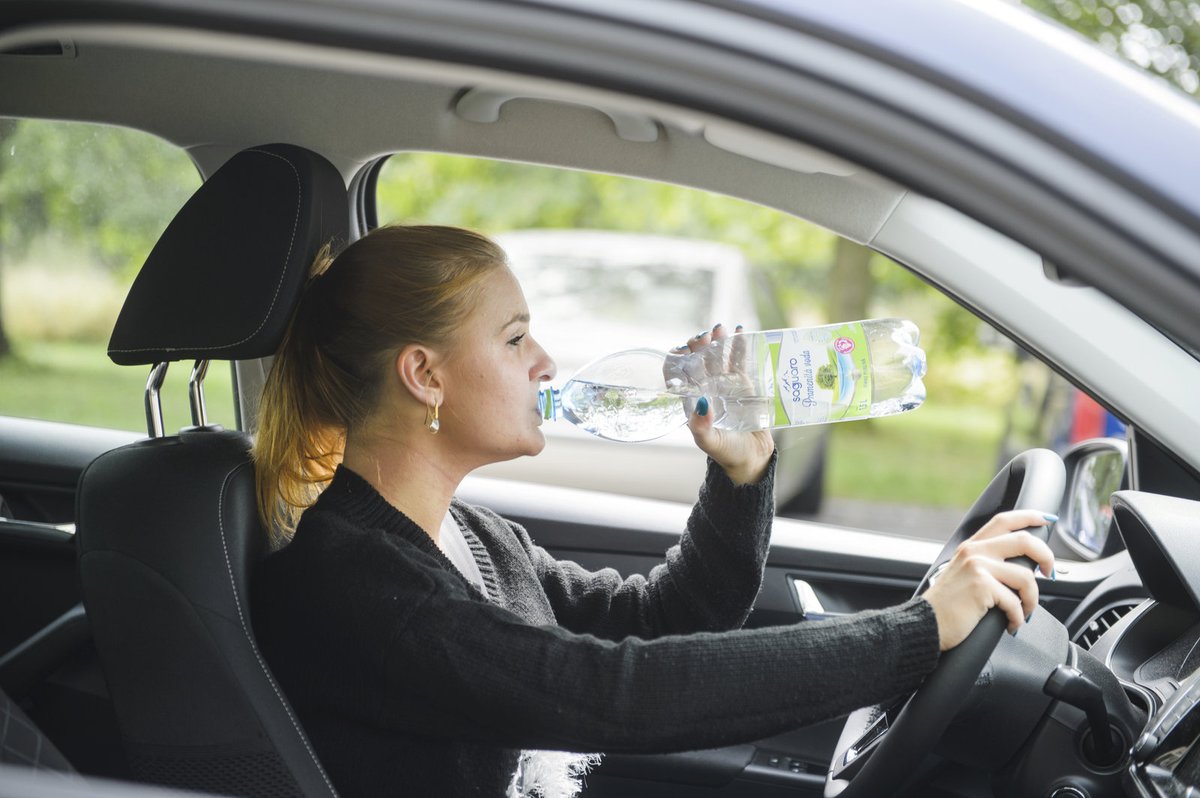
(642, 293)
(611, 263)
(80, 208)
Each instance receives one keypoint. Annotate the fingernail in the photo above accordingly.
(738, 327)
(1053, 574)
(701, 334)
(1028, 617)
(1050, 517)
(702, 406)
(1012, 632)
(717, 326)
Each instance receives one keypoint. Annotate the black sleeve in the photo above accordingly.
(708, 581)
(469, 670)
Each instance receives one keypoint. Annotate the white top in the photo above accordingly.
(455, 547)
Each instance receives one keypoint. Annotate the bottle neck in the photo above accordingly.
(550, 403)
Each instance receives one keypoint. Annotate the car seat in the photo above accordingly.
(167, 527)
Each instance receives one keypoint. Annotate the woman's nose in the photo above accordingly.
(547, 368)
(550, 370)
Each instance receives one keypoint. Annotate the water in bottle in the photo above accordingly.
(753, 380)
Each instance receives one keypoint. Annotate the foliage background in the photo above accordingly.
(1160, 36)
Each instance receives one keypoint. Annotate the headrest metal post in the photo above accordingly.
(196, 393)
(154, 415)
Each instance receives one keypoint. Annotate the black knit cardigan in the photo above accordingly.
(411, 681)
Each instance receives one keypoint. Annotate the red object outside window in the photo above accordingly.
(1088, 420)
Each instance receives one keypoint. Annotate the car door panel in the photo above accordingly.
(42, 621)
(47, 661)
(37, 579)
(40, 463)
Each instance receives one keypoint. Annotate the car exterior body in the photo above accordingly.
(1041, 184)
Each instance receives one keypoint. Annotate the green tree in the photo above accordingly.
(1160, 36)
(7, 129)
(106, 192)
(850, 283)
(495, 196)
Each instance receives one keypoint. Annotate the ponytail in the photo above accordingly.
(297, 445)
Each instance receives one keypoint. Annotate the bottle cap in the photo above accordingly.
(549, 402)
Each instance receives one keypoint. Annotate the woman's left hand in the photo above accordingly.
(743, 455)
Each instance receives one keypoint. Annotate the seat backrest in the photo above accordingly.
(167, 527)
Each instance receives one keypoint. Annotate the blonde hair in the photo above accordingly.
(396, 286)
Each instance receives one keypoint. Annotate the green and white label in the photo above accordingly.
(821, 374)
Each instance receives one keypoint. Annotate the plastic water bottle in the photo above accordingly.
(753, 380)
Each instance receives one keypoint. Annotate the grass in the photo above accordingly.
(940, 455)
(76, 382)
(66, 303)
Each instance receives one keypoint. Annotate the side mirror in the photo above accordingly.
(1096, 469)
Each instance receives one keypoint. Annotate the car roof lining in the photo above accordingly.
(189, 85)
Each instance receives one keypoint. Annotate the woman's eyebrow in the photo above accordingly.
(519, 317)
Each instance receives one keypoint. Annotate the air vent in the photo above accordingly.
(1100, 623)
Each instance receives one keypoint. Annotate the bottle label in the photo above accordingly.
(821, 374)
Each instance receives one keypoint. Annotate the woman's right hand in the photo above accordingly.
(743, 455)
(977, 578)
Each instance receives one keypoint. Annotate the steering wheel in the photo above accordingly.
(879, 747)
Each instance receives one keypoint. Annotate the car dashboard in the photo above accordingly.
(1154, 650)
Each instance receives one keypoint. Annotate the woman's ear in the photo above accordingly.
(416, 368)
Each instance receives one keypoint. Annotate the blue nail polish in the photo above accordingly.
(717, 326)
(702, 333)
(1012, 633)
(1053, 574)
(1050, 517)
(702, 406)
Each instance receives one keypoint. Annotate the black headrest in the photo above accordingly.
(221, 282)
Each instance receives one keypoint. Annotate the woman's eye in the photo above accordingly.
(515, 340)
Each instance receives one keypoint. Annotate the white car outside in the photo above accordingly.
(591, 293)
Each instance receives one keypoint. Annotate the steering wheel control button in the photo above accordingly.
(777, 768)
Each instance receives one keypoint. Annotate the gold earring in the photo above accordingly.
(431, 411)
(431, 418)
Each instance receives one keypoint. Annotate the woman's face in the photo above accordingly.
(492, 377)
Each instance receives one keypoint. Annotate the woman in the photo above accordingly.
(426, 643)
